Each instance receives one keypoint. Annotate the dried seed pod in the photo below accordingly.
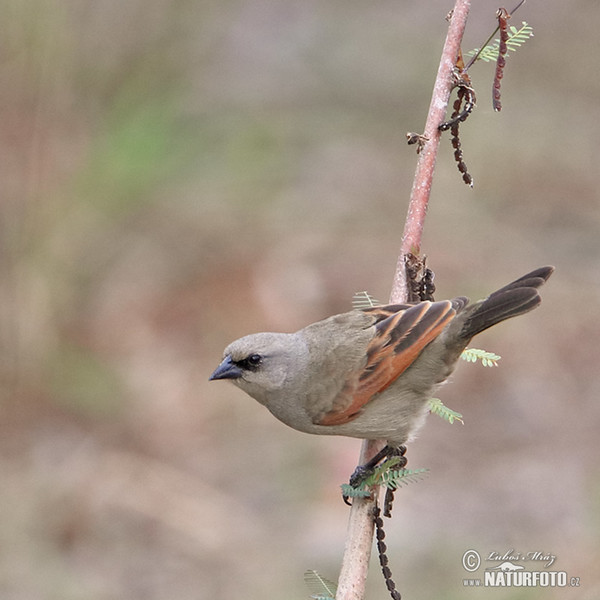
(503, 17)
(383, 559)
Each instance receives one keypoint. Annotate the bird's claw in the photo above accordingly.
(361, 473)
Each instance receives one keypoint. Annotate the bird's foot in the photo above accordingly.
(363, 472)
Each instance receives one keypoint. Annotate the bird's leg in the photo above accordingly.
(363, 471)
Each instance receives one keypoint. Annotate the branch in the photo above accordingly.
(419, 197)
(359, 538)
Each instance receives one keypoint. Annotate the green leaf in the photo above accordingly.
(393, 479)
(387, 475)
(319, 587)
(351, 492)
(488, 359)
(437, 407)
(362, 300)
(517, 37)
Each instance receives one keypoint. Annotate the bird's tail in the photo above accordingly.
(512, 300)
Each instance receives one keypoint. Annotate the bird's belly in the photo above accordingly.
(389, 416)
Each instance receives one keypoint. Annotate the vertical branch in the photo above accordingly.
(419, 197)
(359, 538)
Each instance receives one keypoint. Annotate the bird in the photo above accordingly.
(369, 373)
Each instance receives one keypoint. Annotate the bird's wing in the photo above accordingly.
(401, 333)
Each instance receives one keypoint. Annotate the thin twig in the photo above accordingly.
(359, 539)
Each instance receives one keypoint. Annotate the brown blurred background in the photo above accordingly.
(175, 174)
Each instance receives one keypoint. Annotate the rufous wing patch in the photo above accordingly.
(399, 339)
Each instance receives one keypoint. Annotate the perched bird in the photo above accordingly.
(369, 373)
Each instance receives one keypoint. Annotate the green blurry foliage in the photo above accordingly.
(140, 147)
(81, 382)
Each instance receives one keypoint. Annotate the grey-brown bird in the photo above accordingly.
(369, 373)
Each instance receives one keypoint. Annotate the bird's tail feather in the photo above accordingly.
(512, 300)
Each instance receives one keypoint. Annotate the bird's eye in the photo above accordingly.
(251, 362)
(254, 359)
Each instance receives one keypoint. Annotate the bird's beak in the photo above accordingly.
(226, 370)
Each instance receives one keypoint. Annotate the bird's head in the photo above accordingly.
(260, 363)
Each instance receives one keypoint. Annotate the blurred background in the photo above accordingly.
(175, 174)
